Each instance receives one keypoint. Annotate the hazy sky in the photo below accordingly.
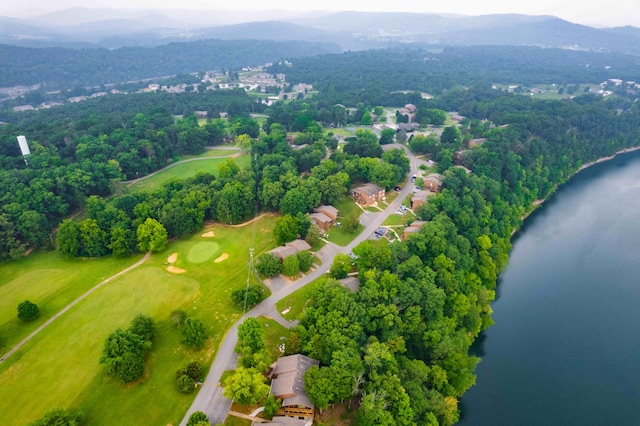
(619, 12)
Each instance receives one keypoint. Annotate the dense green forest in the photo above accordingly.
(400, 344)
(433, 71)
(64, 68)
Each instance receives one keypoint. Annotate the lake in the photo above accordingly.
(565, 347)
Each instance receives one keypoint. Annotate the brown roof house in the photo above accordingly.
(287, 384)
(413, 228)
(419, 198)
(290, 249)
(368, 194)
(433, 182)
(324, 216)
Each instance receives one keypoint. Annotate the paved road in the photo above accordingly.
(71, 305)
(209, 399)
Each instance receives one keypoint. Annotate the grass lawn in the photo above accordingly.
(51, 281)
(339, 131)
(296, 301)
(185, 170)
(275, 335)
(236, 421)
(396, 219)
(59, 367)
(337, 235)
(212, 153)
(346, 206)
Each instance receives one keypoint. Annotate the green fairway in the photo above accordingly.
(51, 281)
(185, 170)
(59, 367)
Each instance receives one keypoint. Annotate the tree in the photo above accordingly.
(178, 316)
(120, 244)
(27, 311)
(251, 295)
(319, 386)
(341, 266)
(244, 142)
(269, 265)
(351, 222)
(271, 406)
(194, 333)
(305, 260)
(291, 266)
(246, 386)
(313, 235)
(122, 355)
(144, 327)
(69, 237)
(185, 384)
(386, 136)
(197, 417)
(58, 417)
(286, 229)
(366, 119)
(250, 335)
(151, 235)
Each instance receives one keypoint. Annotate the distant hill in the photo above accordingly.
(113, 29)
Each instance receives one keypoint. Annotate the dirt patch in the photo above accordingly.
(175, 270)
(172, 258)
(209, 234)
(223, 256)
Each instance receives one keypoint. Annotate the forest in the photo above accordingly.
(399, 345)
(57, 68)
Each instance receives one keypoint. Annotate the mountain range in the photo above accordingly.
(113, 28)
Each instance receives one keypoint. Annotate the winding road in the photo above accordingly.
(210, 399)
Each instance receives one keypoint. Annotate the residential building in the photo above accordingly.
(419, 198)
(433, 182)
(287, 384)
(368, 194)
(413, 228)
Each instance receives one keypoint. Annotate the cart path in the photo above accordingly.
(72, 304)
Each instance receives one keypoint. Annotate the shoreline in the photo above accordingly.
(539, 202)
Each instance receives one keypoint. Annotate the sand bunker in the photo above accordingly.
(175, 270)
(209, 234)
(222, 257)
(172, 258)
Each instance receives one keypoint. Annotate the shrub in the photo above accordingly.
(185, 384)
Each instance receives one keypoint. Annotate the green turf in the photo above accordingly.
(59, 367)
(396, 219)
(275, 335)
(185, 170)
(296, 302)
(203, 251)
(51, 281)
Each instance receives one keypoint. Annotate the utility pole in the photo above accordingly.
(246, 290)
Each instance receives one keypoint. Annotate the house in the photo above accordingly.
(407, 127)
(298, 245)
(287, 421)
(413, 228)
(283, 252)
(419, 198)
(23, 108)
(473, 143)
(290, 249)
(287, 384)
(329, 211)
(352, 283)
(323, 221)
(368, 194)
(201, 114)
(433, 182)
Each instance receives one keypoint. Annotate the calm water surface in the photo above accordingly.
(565, 349)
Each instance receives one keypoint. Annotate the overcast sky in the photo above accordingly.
(619, 12)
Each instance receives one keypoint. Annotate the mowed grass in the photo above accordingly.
(51, 281)
(60, 368)
(275, 335)
(185, 170)
(296, 301)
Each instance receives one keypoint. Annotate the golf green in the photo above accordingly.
(203, 251)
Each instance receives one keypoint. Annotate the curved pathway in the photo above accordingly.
(72, 304)
(188, 160)
(210, 399)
